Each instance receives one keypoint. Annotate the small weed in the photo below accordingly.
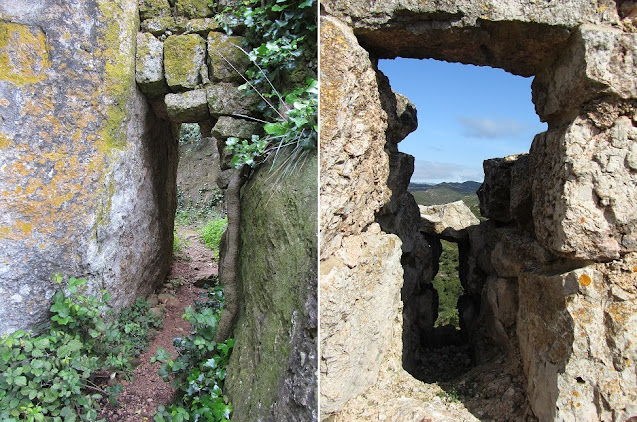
(452, 395)
(179, 243)
(211, 233)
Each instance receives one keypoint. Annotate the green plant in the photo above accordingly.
(57, 375)
(199, 370)
(284, 60)
(447, 284)
(453, 395)
(208, 204)
(189, 133)
(178, 243)
(211, 233)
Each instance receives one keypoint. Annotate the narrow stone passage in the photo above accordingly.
(140, 398)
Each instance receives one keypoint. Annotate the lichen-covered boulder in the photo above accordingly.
(193, 8)
(153, 9)
(187, 107)
(225, 59)
(86, 170)
(272, 370)
(184, 61)
(226, 99)
(149, 65)
(227, 127)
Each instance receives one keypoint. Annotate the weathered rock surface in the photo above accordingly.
(226, 60)
(361, 283)
(577, 336)
(517, 36)
(86, 170)
(187, 107)
(229, 126)
(354, 166)
(272, 371)
(184, 60)
(225, 99)
(448, 221)
(193, 8)
(149, 65)
(584, 188)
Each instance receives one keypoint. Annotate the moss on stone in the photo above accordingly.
(278, 260)
(183, 57)
(117, 42)
(23, 54)
(153, 8)
(193, 8)
(221, 48)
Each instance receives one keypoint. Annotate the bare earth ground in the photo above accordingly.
(140, 398)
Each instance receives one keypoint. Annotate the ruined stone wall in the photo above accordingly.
(86, 170)
(551, 275)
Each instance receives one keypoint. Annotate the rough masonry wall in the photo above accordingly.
(86, 171)
(361, 276)
(551, 276)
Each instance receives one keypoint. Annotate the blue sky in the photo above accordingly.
(466, 114)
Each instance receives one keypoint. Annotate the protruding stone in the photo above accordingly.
(226, 61)
(584, 195)
(449, 221)
(163, 25)
(187, 107)
(183, 58)
(599, 61)
(153, 9)
(226, 99)
(193, 8)
(202, 26)
(149, 65)
(227, 127)
(495, 192)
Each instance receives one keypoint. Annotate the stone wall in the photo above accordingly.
(272, 371)
(86, 170)
(550, 275)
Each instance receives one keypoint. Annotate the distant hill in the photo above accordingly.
(443, 193)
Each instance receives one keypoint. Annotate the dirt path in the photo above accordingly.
(139, 399)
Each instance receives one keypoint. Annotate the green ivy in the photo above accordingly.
(199, 370)
(60, 375)
(284, 61)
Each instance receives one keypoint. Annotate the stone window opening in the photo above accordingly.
(443, 320)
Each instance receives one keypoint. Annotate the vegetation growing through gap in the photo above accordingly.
(447, 284)
(283, 74)
(64, 373)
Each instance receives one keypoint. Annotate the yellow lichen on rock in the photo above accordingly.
(23, 54)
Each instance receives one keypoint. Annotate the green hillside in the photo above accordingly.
(443, 193)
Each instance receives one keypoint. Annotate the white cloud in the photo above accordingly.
(485, 127)
(435, 171)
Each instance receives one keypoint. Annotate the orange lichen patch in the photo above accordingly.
(4, 231)
(26, 227)
(5, 140)
(23, 54)
(4, 102)
(635, 269)
(585, 280)
(582, 220)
